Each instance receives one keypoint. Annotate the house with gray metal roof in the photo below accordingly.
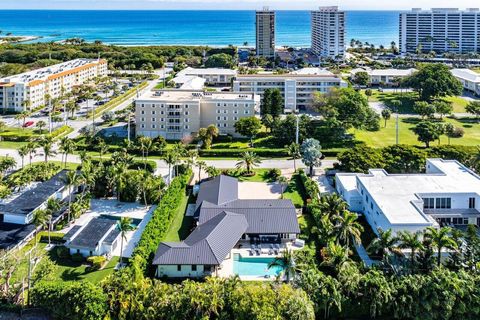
(20, 210)
(224, 222)
(100, 236)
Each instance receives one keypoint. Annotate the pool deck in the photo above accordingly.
(226, 268)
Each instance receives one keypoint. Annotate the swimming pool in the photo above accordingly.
(245, 266)
(134, 224)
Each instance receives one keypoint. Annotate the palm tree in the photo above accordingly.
(53, 205)
(47, 145)
(410, 241)
(22, 116)
(332, 205)
(71, 180)
(201, 165)
(294, 152)
(348, 227)
(26, 105)
(40, 125)
(385, 243)
(23, 152)
(286, 263)
(32, 146)
(441, 238)
(171, 159)
(124, 225)
(103, 149)
(248, 160)
(40, 219)
(145, 146)
(120, 171)
(335, 256)
(67, 146)
(282, 181)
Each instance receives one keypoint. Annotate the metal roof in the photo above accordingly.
(208, 244)
(32, 199)
(218, 191)
(91, 235)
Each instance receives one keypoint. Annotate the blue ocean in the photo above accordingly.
(215, 28)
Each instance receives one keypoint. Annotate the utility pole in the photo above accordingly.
(397, 128)
(128, 126)
(297, 129)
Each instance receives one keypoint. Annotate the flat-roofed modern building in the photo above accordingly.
(297, 87)
(447, 194)
(328, 32)
(385, 77)
(469, 79)
(212, 76)
(440, 30)
(55, 80)
(265, 33)
(177, 114)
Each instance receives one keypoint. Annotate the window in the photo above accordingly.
(153, 126)
(143, 112)
(179, 267)
(428, 203)
(471, 203)
(194, 267)
(443, 203)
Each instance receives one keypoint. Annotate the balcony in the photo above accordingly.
(453, 213)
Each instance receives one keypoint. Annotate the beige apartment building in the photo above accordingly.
(27, 90)
(178, 114)
(265, 33)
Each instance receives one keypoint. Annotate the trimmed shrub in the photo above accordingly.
(63, 130)
(55, 237)
(62, 252)
(310, 187)
(274, 173)
(96, 262)
(77, 257)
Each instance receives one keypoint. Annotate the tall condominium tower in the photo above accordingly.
(440, 30)
(265, 33)
(328, 32)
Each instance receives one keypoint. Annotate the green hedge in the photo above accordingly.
(55, 237)
(158, 226)
(15, 136)
(136, 165)
(118, 100)
(236, 153)
(310, 187)
(63, 130)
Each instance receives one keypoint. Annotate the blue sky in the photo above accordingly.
(232, 4)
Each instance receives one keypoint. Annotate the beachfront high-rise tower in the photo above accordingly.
(328, 32)
(440, 30)
(265, 33)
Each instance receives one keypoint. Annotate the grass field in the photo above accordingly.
(181, 225)
(293, 192)
(386, 135)
(408, 100)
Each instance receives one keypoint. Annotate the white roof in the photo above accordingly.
(44, 73)
(206, 71)
(466, 74)
(385, 72)
(313, 71)
(189, 82)
(399, 195)
(194, 95)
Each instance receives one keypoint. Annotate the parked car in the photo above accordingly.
(28, 124)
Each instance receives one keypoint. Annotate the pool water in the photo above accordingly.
(134, 224)
(247, 266)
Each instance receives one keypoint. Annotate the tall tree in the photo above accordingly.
(248, 161)
(441, 239)
(124, 225)
(293, 150)
(348, 227)
(311, 154)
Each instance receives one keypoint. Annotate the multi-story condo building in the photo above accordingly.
(447, 194)
(265, 33)
(469, 79)
(177, 114)
(212, 76)
(440, 30)
(28, 90)
(297, 87)
(328, 32)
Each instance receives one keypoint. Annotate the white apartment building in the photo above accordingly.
(55, 80)
(265, 33)
(328, 32)
(297, 87)
(440, 30)
(177, 114)
(212, 76)
(447, 194)
(469, 79)
(384, 77)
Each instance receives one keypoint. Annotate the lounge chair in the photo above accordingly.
(270, 252)
(257, 251)
(250, 252)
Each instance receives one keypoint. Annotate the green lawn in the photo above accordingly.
(476, 70)
(386, 135)
(408, 100)
(68, 270)
(181, 225)
(11, 144)
(293, 192)
(261, 175)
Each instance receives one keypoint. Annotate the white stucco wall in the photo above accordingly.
(185, 272)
